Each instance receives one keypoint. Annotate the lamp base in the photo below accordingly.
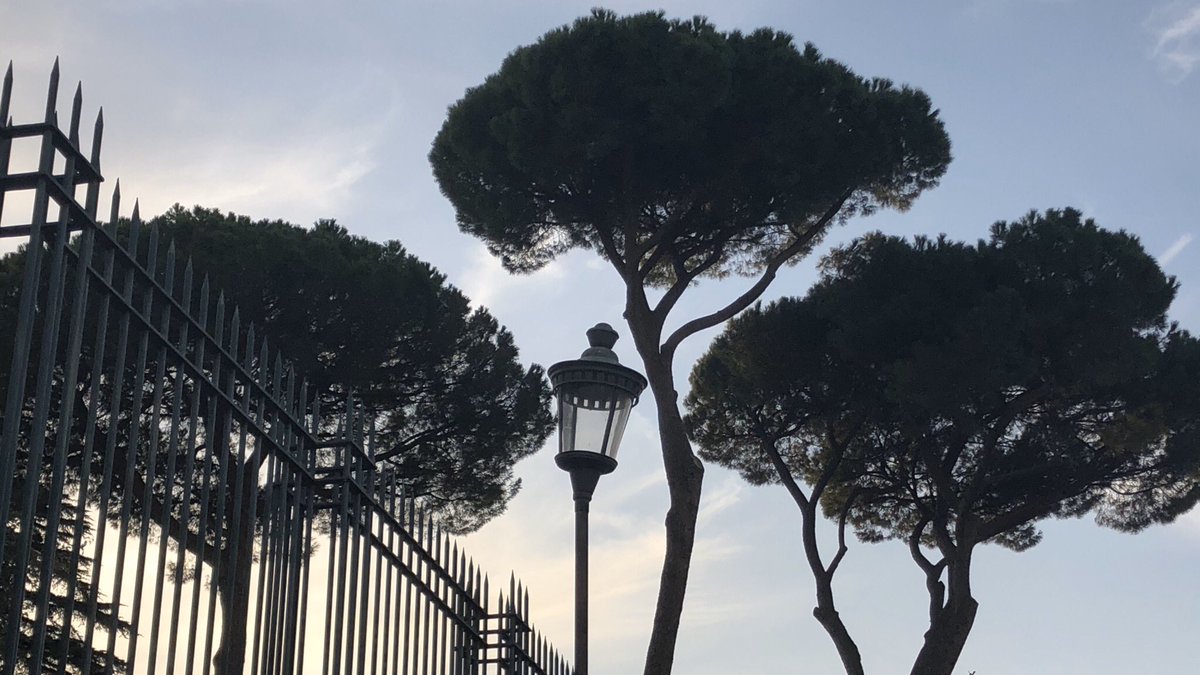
(585, 469)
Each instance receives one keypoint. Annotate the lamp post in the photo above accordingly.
(595, 396)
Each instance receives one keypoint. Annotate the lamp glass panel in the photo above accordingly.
(620, 418)
(592, 418)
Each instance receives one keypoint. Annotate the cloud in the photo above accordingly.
(488, 284)
(1176, 29)
(727, 494)
(313, 179)
(1174, 249)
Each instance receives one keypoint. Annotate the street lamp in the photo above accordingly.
(595, 396)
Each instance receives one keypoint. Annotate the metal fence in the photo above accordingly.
(172, 498)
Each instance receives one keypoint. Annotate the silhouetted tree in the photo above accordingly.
(677, 152)
(950, 396)
(456, 410)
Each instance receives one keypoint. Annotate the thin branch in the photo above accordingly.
(420, 437)
(754, 292)
(914, 547)
(683, 278)
(1015, 517)
(1019, 404)
(839, 453)
(842, 548)
(619, 263)
(785, 474)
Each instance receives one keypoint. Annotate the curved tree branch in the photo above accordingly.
(754, 292)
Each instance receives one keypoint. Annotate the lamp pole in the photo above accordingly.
(595, 396)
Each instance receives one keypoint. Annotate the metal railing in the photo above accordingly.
(171, 496)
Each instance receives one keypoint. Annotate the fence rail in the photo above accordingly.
(171, 495)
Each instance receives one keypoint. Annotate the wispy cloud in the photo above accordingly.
(488, 284)
(1176, 29)
(1175, 249)
(727, 494)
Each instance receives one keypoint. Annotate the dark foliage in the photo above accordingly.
(456, 408)
(677, 141)
(952, 395)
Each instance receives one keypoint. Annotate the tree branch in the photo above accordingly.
(914, 546)
(785, 474)
(932, 570)
(619, 263)
(1015, 517)
(842, 548)
(683, 278)
(1014, 407)
(754, 292)
(412, 440)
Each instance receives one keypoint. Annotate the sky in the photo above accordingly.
(308, 110)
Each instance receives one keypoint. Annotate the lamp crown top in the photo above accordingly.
(601, 337)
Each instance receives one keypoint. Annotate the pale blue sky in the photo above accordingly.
(306, 110)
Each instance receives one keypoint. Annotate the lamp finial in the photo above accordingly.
(601, 337)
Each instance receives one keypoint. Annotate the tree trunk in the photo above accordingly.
(831, 621)
(949, 628)
(685, 476)
(233, 590)
(825, 611)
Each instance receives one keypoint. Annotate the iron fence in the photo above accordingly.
(171, 495)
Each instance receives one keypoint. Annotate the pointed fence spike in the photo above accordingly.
(235, 327)
(115, 212)
(249, 353)
(264, 354)
(97, 135)
(151, 246)
(6, 93)
(185, 294)
(135, 233)
(52, 93)
(289, 378)
(277, 375)
(300, 406)
(76, 111)
(205, 292)
(204, 305)
(169, 273)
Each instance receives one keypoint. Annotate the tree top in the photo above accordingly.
(972, 389)
(677, 150)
